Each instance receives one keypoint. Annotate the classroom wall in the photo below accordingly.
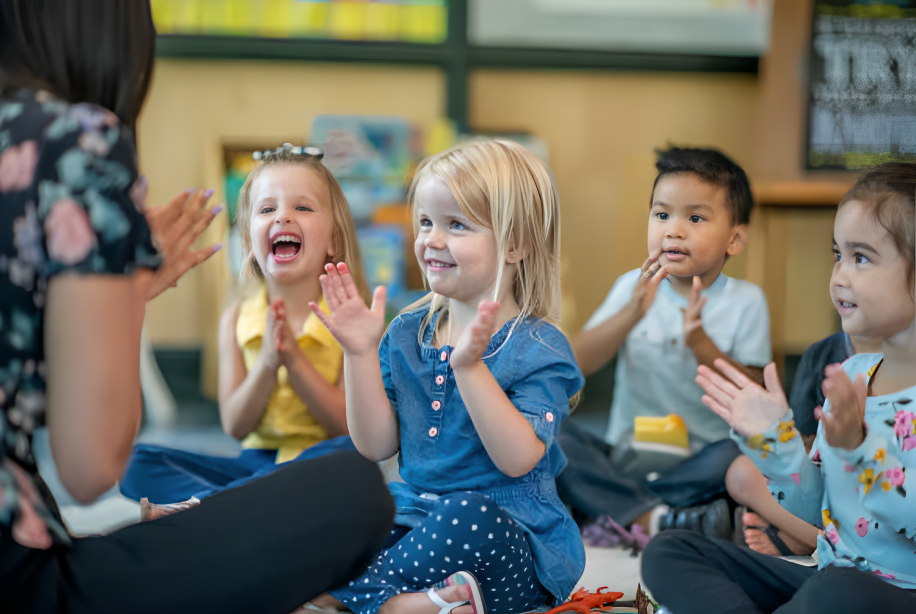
(601, 127)
(195, 107)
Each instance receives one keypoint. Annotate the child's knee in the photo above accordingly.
(836, 589)
(474, 507)
(477, 518)
(658, 554)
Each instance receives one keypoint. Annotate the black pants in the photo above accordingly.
(591, 483)
(692, 574)
(265, 547)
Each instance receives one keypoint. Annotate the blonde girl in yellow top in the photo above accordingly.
(280, 370)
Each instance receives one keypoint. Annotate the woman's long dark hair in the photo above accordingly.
(97, 51)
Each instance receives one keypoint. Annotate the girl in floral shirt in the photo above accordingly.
(856, 480)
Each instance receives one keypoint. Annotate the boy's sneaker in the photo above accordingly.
(711, 520)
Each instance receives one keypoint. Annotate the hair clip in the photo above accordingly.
(309, 151)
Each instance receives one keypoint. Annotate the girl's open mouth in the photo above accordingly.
(285, 247)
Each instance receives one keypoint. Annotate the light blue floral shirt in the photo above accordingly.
(865, 500)
(69, 203)
(442, 453)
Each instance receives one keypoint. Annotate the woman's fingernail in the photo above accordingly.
(217, 247)
(215, 210)
(142, 181)
(208, 193)
(191, 190)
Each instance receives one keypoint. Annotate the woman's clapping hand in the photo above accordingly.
(175, 226)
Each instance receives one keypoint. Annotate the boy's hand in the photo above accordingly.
(285, 343)
(474, 341)
(647, 286)
(844, 427)
(356, 327)
(746, 407)
(267, 355)
(693, 321)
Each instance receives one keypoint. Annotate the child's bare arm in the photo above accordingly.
(508, 437)
(372, 420)
(704, 349)
(325, 401)
(595, 347)
(243, 395)
(762, 418)
(747, 486)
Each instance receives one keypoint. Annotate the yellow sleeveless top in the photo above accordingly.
(286, 426)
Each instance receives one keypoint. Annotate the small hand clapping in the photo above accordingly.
(474, 341)
(286, 346)
(356, 327)
(844, 426)
(647, 285)
(693, 321)
(268, 353)
(746, 407)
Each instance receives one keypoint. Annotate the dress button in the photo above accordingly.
(437, 405)
(443, 356)
(549, 416)
(433, 431)
(440, 379)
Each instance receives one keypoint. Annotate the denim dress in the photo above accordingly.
(441, 452)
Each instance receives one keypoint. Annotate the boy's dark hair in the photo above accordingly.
(889, 191)
(712, 166)
(96, 51)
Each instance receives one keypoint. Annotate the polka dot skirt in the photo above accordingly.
(465, 532)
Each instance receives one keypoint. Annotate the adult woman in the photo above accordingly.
(77, 265)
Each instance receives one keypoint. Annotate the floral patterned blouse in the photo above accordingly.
(70, 202)
(859, 497)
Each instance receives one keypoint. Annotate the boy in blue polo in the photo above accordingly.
(661, 321)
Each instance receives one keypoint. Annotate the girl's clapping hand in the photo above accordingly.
(286, 346)
(267, 355)
(356, 327)
(844, 426)
(745, 406)
(476, 337)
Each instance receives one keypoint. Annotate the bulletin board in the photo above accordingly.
(862, 84)
(406, 21)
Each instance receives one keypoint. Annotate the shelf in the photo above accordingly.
(800, 193)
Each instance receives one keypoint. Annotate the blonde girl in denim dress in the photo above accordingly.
(470, 389)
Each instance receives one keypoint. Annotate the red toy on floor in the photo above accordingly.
(583, 602)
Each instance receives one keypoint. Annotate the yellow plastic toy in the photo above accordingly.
(669, 430)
